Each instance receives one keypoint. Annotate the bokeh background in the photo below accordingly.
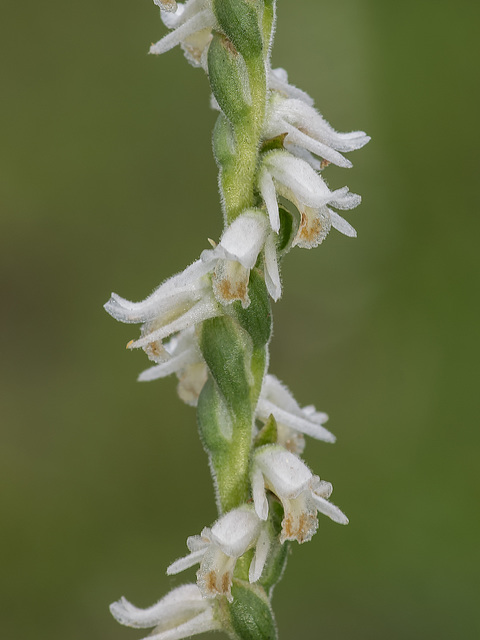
(107, 183)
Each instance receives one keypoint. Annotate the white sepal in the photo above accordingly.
(278, 81)
(306, 128)
(277, 400)
(180, 614)
(272, 275)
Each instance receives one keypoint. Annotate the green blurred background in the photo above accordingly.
(107, 183)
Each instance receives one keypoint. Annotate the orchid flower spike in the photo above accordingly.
(182, 301)
(191, 25)
(182, 613)
(283, 174)
(292, 420)
(218, 549)
(301, 493)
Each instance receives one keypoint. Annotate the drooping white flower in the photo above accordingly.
(306, 129)
(182, 613)
(218, 549)
(182, 301)
(292, 420)
(191, 26)
(183, 357)
(301, 493)
(283, 174)
(237, 253)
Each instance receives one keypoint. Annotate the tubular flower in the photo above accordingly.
(191, 26)
(292, 420)
(217, 550)
(301, 493)
(283, 174)
(182, 613)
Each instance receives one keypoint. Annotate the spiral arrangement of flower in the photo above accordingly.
(211, 324)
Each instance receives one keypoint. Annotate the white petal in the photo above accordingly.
(278, 393)
(236, 531)
(340, 224)
(302, 153)
(319, 417)
(180, 288)
(329, 509)
(267, 189)
(170, 366)
(186, 562)
(202, 310)
(309, 428)
(244, 238)
(284, 472)
(201, 20)
(186, 600)
(321, 488)
(261, 553)
(315, 146)
(307, 118)
(196, 543)
(298, 177)
(259, 494)
(205, 621)
(172, 20)
(278, 80)
(272, 276)
(343, 199)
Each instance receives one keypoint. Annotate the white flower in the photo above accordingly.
(282, 174)
(191, 26)
(183, 357)
(301, 493)
(192, 296)
(182, 613)
(307, 129)
(182, 301)
(292, 420)
(237, 253)
(217, 550)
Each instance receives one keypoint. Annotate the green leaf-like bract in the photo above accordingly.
(239, 21)
(250, 613)
(228, 78)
